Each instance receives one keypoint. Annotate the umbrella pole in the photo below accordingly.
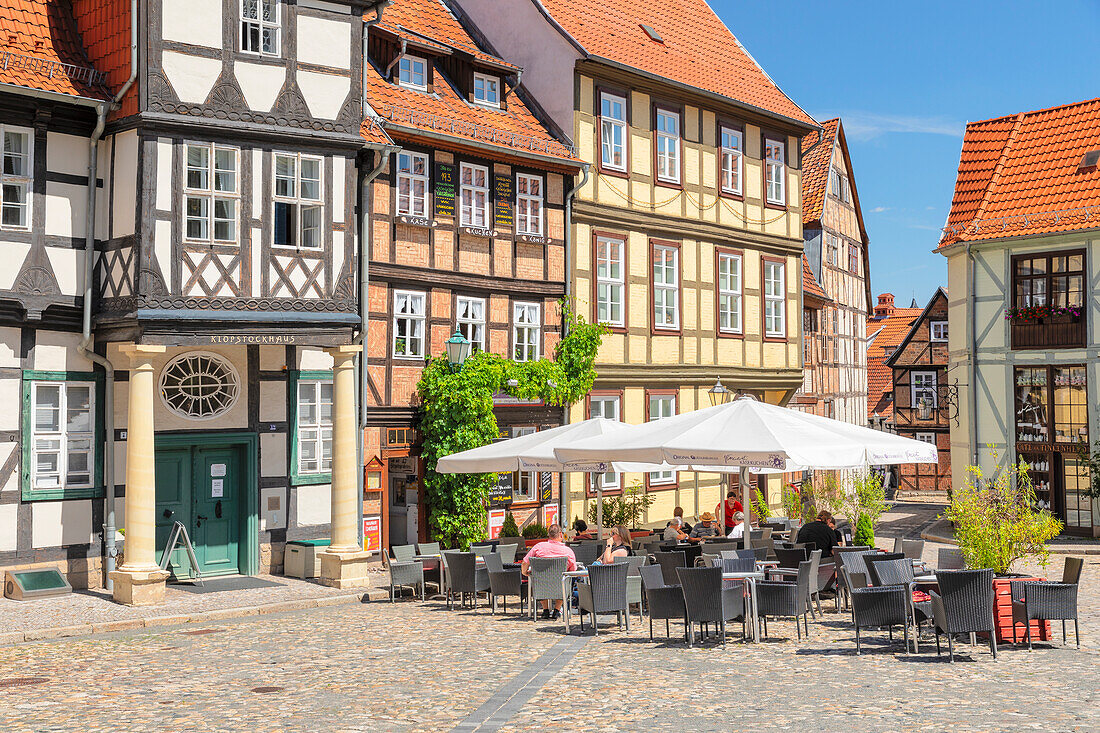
(744, 481)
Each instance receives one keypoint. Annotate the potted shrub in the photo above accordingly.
(509, 528)
(760, 507)
(534, 533)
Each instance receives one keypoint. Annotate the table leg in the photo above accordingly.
(564, 601)
(755, 612)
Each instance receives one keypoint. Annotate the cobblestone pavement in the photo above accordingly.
(418, 667)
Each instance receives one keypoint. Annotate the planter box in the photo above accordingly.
(1002, 615)
(534, 541)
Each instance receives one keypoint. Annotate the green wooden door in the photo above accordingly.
(173, 467)
(216, 508)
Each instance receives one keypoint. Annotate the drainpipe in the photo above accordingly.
(972, 346)
(397, 58)
(562, 519)
(85, 347)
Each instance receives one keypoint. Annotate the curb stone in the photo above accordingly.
(11, 638)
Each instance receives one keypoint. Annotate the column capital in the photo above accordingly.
(141, 352)
(342, 355)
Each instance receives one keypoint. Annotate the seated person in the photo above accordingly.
(674, 531)
(551, 547)
(618, 545)
(705, 528)
(738, 530)
(679, 512)
(818, 535)
(580, 529)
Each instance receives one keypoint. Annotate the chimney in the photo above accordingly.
(885, 307)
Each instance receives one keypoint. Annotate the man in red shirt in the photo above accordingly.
(726, 509)
(552, 547)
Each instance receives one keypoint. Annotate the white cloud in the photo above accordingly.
(859, 125)
(880, 209)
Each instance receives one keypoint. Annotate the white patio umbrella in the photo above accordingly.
(747, 434)
(535, 452)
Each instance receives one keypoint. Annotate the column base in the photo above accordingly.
(344, 569)
(139, 587)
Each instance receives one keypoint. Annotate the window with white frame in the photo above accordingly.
(62, 435)
(610, 280)
(526, 484)
(732, 160)
(314, 426)
(211, 192)
(260, 27)
(660, 407)
(412, 73)
(926, 437)
(938, 330)
(775, 299)
(298, 202)
(470, 320)
(668, 145)
(529, 204)
(408, 324)
(729, 292)
(16, 176)
(526, 331)
(613, 131)
(607, 407)
(412, 184)
(475, 196)
(666, 287)
(775, 172)
(924, 389)
(487, 90)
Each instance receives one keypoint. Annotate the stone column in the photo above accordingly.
(344, 564)
(140, 581)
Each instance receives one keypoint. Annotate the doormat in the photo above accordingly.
(236, 582)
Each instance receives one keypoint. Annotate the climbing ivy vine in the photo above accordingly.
(456, 414)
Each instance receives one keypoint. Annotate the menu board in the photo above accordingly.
(372, 534)
(446, 176)
(503, 211)
(496, 523)
(549, 514)
(546, 487)
(501, 494)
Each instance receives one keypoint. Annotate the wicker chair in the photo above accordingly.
(633, 579)
(504, 582)
(427, 548)
(963, 605)
(883, 606)
(507, 552)
(669, 561)
(759, 538)
(842, 588)
(912, 549)
(1047, 601)
(662, 601)
(950, 558)
(871, 559)
(465, 577)
(737, 564)
(786, 599)
(791, 558)
(605, 592)
(900, 572)
(544, 581)
(481, 549)
(403, 553)
(706, 600)
(707, 560)
(585, 552)
(444, 573)
(406, 573)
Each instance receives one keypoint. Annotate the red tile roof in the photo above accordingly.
(815, 170)
(887, 333)
(444, 112)
(41, 48)
(696, 48)
(1020, 175)
(414, 21)
(811, 288)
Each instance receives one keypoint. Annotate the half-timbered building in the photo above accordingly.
(686, 236)
(468, 227)
(214, 381)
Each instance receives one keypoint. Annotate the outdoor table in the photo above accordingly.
(750, 579)
(567, 579)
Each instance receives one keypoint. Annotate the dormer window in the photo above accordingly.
(487, 90)
(260, 27)
(413, 73)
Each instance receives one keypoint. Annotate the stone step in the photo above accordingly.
(925, 497)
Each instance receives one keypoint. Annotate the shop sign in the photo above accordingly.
(549, 514)
(444, 187)
(503, 213)
(496, 523)
(546, 487)
(372, 534)
(500, 495)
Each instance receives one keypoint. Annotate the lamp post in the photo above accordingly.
(719, 393)
(458, 350)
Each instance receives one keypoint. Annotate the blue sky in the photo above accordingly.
(905, 78)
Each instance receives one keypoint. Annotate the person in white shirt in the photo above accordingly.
(738, 530)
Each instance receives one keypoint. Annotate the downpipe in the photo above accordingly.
(562, 519)
(972, 346)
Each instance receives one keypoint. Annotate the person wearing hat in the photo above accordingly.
(705, 528)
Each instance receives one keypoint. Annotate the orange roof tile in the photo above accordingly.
(888, 333)
(371, 131)
(41, 48)
(695, 49)
(810, 286)
(444, 112)
(1020, 176)
(817, 157)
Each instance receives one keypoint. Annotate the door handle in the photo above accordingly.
(218, 509)
(198, 520)
(168, 513)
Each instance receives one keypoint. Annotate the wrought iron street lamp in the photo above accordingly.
(458, 350)
(719, 394)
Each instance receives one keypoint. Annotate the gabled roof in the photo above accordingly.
(695, 48)
(817, 158)
(891, 359)
(811, 288)
(1022, 176)
(41, 49)
(444, 114)
(888, 335)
